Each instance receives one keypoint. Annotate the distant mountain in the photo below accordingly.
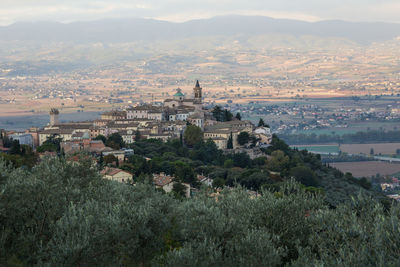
(130, 30)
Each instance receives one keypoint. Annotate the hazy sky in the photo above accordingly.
(182, 10)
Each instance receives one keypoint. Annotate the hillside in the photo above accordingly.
(64, 214)
(131, 30)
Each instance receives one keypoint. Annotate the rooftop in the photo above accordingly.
(162, 179)
(112, 171)
(179, 92)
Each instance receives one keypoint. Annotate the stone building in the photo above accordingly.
(179, 99)
(54, 120)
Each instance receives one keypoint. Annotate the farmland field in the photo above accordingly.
(384, 149)
(319, 148)
(354, 127)
(20, 123)
(367, 168)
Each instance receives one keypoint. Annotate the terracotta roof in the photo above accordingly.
(114, 113)
(162, 180)
(57, 131)
(112, 171)
(201, 177)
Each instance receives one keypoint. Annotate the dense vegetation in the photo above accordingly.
(279, 164)
(220, 114)
(19, 155)
(359, 137)
(345, 157)
(299, 211)
(64, 214)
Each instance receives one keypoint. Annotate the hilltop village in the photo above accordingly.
(147, 121)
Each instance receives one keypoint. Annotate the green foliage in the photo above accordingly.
(115, 141)
(261, 123)
(138, 136)
(230, 142)
(227, 115)
(254, 179)
(101, 137)
(52, 144)
(46, 147)
(32, 201)
(260, 161)
(278, 161)
(238, 116)
(218, 182)
(108, 159)
(15, 148)
(193, 135)
(277, 144)
(20, 155)
(207, 159)
(228, 163)
(179, 189)
(184, 173)
(304, 175)
(65, 214)
(241, 160)
(222, 114)
(243, 138)
(217, 113)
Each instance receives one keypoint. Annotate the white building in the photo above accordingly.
(23, 138)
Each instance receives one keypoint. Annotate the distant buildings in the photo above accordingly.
(221, 132)
(116, 174)
(180, 100)
(164, 121)
(23, 138)
(166, 182)
(54, 116)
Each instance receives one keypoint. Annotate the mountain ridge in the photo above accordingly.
(140, 29)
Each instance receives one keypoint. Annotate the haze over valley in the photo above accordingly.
(108, 63)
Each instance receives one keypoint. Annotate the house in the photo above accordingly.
(204, 180)
(166, 182)
(146, 112)
(116, 174)
(179, 99)
(221, 132)
(113, 115)
(93, 146)
(119, 154)
(264, 134)
(128, 136)
(78, 158)
(23, 138)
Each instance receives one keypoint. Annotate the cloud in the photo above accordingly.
(182, 10)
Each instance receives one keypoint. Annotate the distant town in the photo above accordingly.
(164, 122)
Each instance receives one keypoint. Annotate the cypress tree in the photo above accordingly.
(238, 116)
(230, 142)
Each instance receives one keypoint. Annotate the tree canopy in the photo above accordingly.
(193, 135)
(243, 138)
(65, 214)
(222, 114)
(115, 141)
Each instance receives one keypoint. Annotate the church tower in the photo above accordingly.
(197, 90)
(54, 116)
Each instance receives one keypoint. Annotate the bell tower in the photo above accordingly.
(197, 90)
(54, 117)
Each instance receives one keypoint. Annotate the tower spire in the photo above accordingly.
(197, 90)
